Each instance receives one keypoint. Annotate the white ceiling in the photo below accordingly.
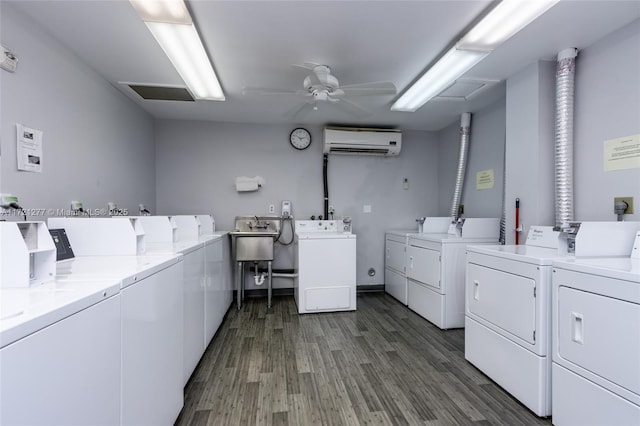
(254, 43)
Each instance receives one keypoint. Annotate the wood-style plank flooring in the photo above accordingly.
(380, 365)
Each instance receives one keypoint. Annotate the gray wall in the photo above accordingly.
(98, 145)
(607, 106)
(486, 151)
(197, 163)
(529, 147)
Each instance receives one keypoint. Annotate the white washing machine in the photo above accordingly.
(596, 340)
(60, 354)
(151, 314)
(325, 260)
(507, 315)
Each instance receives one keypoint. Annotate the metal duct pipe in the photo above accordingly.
(565, 73)
(503, 216)
(465, 131)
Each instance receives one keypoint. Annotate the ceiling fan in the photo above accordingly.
(320, 86)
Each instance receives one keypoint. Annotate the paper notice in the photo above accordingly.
(484, 179)
(622, 153)
(29, 149)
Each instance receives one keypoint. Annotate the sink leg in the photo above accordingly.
(238, 284)
(242, 279)
(269, 286)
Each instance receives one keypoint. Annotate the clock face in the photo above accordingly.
(300, 138)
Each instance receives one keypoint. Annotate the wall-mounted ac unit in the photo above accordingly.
(363, 141)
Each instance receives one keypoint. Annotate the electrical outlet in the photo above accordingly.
(628, 200)
(272, 208)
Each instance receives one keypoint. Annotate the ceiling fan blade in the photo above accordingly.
(300, 110)
(265, 91)
(353, 108)
(308, 66)
(373, 88)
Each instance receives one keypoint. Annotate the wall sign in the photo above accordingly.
(29, 149)
(484, 179)
(622, 153)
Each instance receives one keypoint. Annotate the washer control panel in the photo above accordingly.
(323, 226)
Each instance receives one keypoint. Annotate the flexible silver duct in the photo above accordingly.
(565, 73)
(465, 131)
(503, 218)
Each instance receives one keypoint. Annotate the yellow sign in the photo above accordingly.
(622, 153)
(484, 179)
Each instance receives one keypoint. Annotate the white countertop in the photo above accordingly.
(521, 253)
(179, 247)
(402, 232)
(451, 239)
(622, 268)
(24, 311)
(127, 269)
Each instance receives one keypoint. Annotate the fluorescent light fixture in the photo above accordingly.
(167, 11)
(505, 20)
(183, 47)
(501, 23)
(437, 78)
(171, 25)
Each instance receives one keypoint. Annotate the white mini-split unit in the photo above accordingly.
(362, 141)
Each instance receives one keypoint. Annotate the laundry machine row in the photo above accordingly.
(508, 315)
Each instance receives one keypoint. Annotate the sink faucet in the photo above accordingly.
(261, 225)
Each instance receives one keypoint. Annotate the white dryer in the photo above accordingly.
(508, 310)
(507, 315)
(325, 261)
(395, 264)
(436, 270)
(596, 340)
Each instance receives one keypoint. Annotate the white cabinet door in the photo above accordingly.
(396, 285)
(67, 373)
(193, 310)
(503, 299)
(600, 334)
(214, 293)
(423, 265)
(395, 255)
(152, 365)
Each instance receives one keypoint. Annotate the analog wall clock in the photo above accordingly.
(300, 138)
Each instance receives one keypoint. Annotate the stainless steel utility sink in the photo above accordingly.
(253, 237)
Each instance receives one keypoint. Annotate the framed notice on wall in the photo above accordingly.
(29, 149)
(622, 153)
(484, 179)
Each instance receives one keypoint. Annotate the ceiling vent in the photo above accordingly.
(464, 89)
(161, 93)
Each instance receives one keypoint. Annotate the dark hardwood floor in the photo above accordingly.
(382, 364)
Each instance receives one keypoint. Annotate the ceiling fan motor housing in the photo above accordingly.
(327, 81)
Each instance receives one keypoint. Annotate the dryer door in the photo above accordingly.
(503, 299)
